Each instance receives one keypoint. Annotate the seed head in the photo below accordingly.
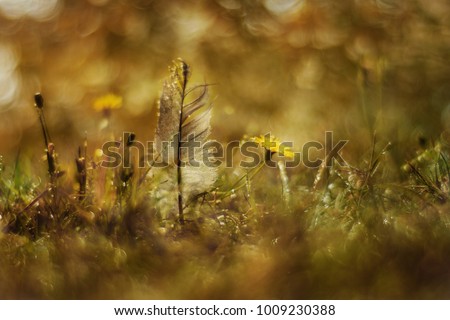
(39, 100)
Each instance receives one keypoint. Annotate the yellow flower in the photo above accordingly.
(274, 145)
(108, 102)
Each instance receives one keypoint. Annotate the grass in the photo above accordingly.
(369, 232)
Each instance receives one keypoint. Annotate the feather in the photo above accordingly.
(184, 118)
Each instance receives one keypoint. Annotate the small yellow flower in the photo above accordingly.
(274, 145)
(98, 154)
(108, 102)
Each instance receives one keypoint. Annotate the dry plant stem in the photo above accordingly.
(433, 189)
(286, 192)
(81, 168)
(43, 127)
(50, 158)
(368, 174)
(49, 147)
(180, 128)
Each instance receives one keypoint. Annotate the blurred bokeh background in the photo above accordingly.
(293, 67)
(296, 68)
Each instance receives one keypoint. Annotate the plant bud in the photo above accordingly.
(39, 100)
